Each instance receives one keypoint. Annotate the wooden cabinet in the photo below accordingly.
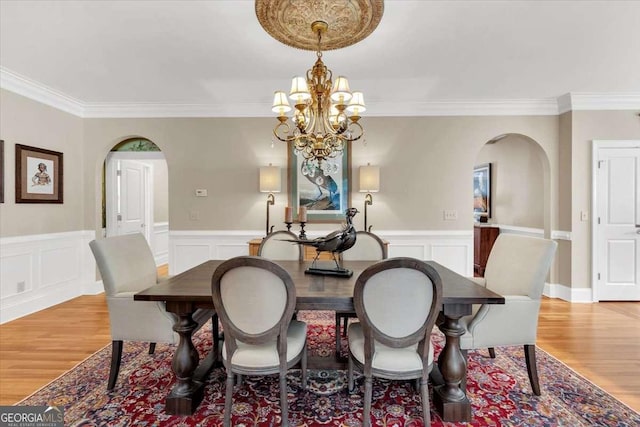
(483, 238)
(309, 253)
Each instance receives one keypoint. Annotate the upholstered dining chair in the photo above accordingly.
(368, 247)
(397, 301)
(127, 266)
(274, 247)
(517, 268)
(255, 299)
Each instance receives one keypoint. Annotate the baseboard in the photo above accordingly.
(577, 295)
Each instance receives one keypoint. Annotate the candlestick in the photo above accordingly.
(302, 233)
(288, 225)
(302, 214)
(288, 215)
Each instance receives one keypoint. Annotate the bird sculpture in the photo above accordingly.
(335, 242)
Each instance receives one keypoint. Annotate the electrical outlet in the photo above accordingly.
(21, 286)
(584, 216)
(194, 215)
(450, 215)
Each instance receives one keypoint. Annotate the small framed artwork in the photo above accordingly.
(482, 192)
(39, 175)
(323, 188)
(1, 171)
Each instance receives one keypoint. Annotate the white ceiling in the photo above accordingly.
(104, 58)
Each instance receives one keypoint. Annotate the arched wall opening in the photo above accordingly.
(135, 193)
(520, 184)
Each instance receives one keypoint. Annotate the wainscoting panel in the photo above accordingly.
(453, 249)
(38, 271)
(161, 242)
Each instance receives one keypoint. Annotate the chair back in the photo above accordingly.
(397, 301)
(276, 248)
(125, 262)
(368, 247)
(255, 299)
(518, 265)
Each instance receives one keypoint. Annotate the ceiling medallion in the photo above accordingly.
(349, 21)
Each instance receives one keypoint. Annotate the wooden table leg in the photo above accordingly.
(186, 394)
(449, 398)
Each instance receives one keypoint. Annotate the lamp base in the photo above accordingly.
(336, 272)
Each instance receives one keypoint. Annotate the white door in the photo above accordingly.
(128, 196)
(617, 228)
(132, 200)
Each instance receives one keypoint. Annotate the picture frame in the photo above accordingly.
(482, 192)
(2, 178)
(322, 205)
(39, 175)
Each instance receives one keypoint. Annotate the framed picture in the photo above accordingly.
(39, 175)
(482, 191)
(1, 171)
(325, 189)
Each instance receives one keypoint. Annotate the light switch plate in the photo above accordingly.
(201, 192)
(450, 215)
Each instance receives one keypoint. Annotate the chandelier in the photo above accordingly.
(325, 114)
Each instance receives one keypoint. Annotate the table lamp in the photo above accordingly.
(269, 183)
(369, 183)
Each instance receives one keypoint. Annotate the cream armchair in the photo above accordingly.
(127, 266)
(516, 269)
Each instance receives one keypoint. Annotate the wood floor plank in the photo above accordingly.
(600, 341)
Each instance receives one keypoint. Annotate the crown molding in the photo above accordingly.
(573, 101)
(150, 110)
(466, 107)
(595, 101)
(38, 92)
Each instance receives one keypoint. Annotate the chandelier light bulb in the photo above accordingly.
(356, 105)
(340, 92)
(299, 90)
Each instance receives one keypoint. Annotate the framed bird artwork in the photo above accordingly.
(324, 188)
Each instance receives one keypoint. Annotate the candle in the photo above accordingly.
(288, 214)
(302, 214)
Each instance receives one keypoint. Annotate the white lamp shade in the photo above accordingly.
(299, 90)
(356, 105)
(270, 179)
(340, 92)
(369, 179)
(280, 103)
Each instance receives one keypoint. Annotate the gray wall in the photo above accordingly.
(426, 166)
(26, 122)
(160, 190)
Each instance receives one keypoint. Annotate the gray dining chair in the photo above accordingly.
(127, 266)
(368, 247)
(255, 299)
(517, 268)
(397, 302)
(275, 248)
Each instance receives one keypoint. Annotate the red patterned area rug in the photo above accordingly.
(498, 388)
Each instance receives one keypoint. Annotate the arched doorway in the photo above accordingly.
(519, 191)
(135, 193)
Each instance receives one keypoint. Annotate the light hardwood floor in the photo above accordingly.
(600, 341)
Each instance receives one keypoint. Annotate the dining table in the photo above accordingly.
(190, 290)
